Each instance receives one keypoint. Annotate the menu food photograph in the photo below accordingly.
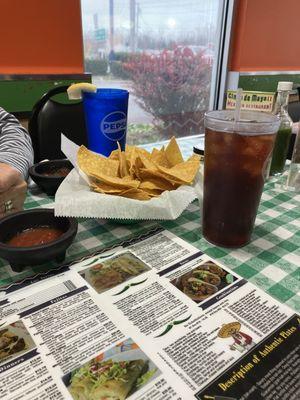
(107, 274)
(15, 340)
(115, 374)
(203, 281)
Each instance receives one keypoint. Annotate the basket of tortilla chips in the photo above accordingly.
(130, 184)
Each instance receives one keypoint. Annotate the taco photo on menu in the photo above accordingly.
(212, 268)
(14, 340)
(203, 281)
(124, 371)
(207, 277)
(197, 289)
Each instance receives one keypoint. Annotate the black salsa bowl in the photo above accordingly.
(21, 257)
(46, 174)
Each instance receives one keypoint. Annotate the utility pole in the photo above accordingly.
(138, 12)
(96, 25)
(132, 25)
(111, 25)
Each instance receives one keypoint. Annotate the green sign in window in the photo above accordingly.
(100, 34)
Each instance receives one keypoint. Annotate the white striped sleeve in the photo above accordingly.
(15, 144)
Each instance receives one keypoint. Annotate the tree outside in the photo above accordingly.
(166, 67)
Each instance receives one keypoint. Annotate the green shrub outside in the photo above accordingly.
(117, 70)
(100, 67)
(174, 87)
(96, 67)
(121, 56)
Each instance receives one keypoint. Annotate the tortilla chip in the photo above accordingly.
(173, 153)
(146, 160)
(184, 172)
(135, 168)
(159, 157)
(125, 183)
(92, 163)
(142, 151)
(131, 160)
(129, 149)
(147, 175)
(136, 194)
(102, 187)
(156, 183)
(111, 190)
(123, 169)
(153, 192)
(114, 155)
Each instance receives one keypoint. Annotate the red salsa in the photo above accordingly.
(35, 236)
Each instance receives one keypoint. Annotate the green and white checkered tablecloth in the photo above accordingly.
(271, 261)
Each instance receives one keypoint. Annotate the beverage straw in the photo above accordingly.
(238, 105)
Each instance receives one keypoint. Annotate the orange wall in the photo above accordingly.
(266, 36)
(41, 37)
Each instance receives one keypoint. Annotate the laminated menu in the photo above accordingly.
(151, 318)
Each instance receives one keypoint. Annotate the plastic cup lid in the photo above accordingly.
(197, 150)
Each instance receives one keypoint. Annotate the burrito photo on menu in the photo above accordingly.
(113, 375)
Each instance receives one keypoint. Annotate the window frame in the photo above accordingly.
(220, 64)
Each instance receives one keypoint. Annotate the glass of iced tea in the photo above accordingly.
(235, 159)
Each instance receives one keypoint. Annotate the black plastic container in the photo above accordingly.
(49, 184)
(20, 257)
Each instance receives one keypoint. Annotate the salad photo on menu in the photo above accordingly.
(115, 374)
(107, 274)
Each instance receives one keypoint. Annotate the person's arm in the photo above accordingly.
(15, 144)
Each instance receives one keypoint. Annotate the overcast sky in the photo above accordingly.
(158, 16)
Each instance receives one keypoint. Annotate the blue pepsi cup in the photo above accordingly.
(106, 119)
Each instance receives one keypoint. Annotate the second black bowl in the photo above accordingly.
(48, 175)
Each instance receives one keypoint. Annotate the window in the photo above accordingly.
(164, 52)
